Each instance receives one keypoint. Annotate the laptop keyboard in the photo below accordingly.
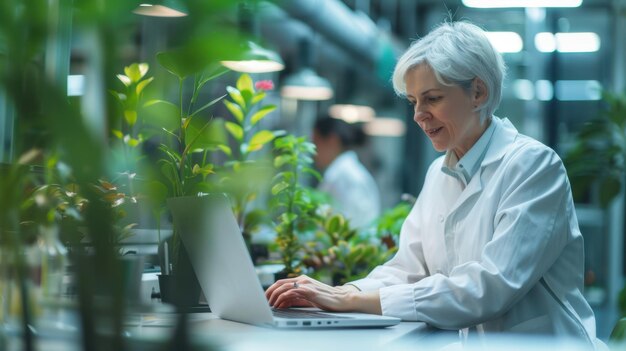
(300, 314)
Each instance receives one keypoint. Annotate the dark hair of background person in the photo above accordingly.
(350, 134)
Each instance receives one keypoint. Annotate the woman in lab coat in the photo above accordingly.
(345, 178)
(492, 243)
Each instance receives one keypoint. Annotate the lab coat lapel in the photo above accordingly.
(504, 135)
(474, 187)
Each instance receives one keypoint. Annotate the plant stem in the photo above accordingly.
(292, 225)
(181, 137)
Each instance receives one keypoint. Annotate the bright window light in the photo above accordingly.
(545, 42)
(578, 90)
(577, 42)
(75, 85)
(544, 90)
(506, 42)
(521, 3)
(567, 42)
(523, 89)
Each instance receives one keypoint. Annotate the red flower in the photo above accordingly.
(264, 85)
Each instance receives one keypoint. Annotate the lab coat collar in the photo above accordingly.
(503, 135)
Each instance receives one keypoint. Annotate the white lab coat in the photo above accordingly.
(352, 189)
(503, 255)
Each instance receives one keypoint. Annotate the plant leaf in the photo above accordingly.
(261, 113)
(162, 115)
(205, 135)
(124, 79)
(247, 97)
(168, 169)
(288, 217)
(215, 72)
(118, 134)
(132, 142)
(235, 130)
(141, 85)
(235, 110)
(207, 105)
(245, 83)
(277, 188)
(206, 170)
(236, 96)
(225, 149)
(281, 160)
(136, 71)
(130, 117)
(258, 97)
(259, 139)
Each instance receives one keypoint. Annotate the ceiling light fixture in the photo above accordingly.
(352, 113)
(165, 8)
(253, 58)
(385, 127)
(521, 3)
(305, 84)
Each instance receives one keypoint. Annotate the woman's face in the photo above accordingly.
(328, 148)
(445, 113)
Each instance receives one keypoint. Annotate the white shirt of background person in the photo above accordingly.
(353, 190)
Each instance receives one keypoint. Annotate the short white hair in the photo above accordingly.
(457, 52)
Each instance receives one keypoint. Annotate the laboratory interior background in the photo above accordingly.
(565, 68)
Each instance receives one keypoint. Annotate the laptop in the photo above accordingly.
(227, 276)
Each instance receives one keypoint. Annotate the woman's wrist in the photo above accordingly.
(366, 302)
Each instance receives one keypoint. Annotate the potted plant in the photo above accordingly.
(188, 143)
(185, 139)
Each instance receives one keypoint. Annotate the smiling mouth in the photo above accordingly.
(434, 131)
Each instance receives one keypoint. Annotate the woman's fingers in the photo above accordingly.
(290, 297)
(296, 291)
(295, 302)
(282, 286)
(276, 285)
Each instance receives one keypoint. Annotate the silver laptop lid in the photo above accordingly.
(219, 256)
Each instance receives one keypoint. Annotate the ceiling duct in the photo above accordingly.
(346, 38)
(350, 30)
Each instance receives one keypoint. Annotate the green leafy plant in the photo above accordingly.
(290, 198)
(339, 255)
(599, 154)
(244, 175)
(127, 135)
(186, 137)
(389, 224)
(36, 93)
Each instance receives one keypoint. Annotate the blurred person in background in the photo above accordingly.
(351, 187)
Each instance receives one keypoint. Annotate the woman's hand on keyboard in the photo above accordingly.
(304, 291)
